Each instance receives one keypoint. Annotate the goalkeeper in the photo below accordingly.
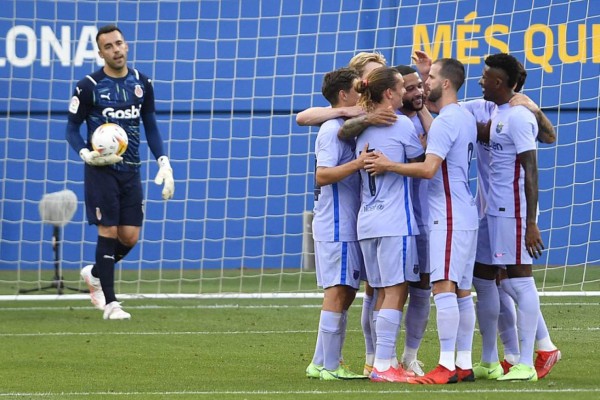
(113, 185)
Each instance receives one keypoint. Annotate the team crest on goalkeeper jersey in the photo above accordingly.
(499, 127)
(138, 91)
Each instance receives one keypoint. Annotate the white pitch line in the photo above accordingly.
(207, 333)
(169, 333)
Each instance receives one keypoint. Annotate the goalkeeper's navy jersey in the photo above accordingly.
(99, 98)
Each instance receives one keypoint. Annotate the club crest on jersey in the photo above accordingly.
(499, 127)
(138, 91)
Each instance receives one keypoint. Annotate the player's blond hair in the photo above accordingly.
(359, 61)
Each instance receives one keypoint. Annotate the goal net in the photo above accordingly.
(229, 78)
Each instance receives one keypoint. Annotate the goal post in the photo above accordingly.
(229, 79)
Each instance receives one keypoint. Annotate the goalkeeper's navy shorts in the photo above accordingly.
(113, 198)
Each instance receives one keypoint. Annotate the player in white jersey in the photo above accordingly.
(452, 219)
(495, 308)
(364, 63)
(389, 246)
(337, 252)
(417, 312)
(512, 201)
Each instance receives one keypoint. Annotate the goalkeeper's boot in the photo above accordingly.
(490, 371)
(341, 373)
(113, 310)
(313, 371)
(545, 360)
(93, 284)
(520, 372)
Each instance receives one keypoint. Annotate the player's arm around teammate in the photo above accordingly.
(314, 116)
(364, 63)
(337, 253)
(453, 219)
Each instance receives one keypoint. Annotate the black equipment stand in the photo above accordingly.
(57, 282)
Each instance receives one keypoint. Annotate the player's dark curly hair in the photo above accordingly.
(522, 77)
(334, 81)
(507, 63)
(405, 69)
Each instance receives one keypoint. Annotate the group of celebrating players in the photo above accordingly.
(393, 208)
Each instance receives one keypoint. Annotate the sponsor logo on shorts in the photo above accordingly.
(416, 269)
(499, 255)
(98, 214)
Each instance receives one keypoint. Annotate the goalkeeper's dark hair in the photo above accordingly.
(405, 70)
(107, 29)
(453, 70)
(372, 87)
(507, 63)
(334, 81)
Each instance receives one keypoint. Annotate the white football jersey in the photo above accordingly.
(483, 111)
(452, 137)
(386, 200)
(513, 131)
(336, 205)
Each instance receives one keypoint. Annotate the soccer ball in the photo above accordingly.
(109, 139)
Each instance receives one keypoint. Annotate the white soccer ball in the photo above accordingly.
(109, 139)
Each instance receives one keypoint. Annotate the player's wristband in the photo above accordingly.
(163, 162)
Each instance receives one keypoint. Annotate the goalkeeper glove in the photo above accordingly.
(94, 158)
(165, 174)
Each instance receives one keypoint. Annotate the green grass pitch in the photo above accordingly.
(243, 349)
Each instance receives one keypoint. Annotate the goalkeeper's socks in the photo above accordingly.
(105, 266)
(121, 251)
